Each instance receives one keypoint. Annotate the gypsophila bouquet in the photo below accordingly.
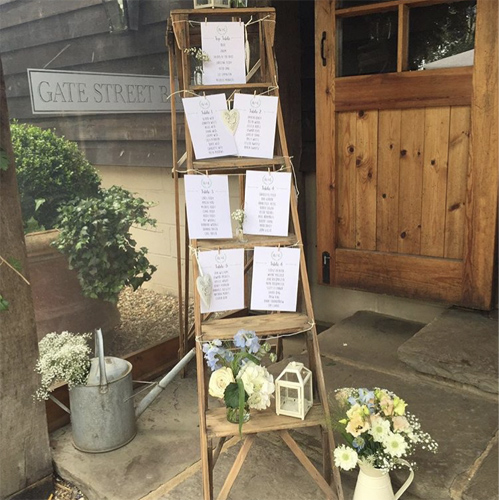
(378, 429)
(64, 357)
(237, 376)
(198, 54)
(239, 216)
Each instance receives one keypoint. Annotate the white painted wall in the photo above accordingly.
(330, 304)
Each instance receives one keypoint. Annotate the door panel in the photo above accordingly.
(399, 180)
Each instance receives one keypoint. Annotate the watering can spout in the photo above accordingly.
(141, 407)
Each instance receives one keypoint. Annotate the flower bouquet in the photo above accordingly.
(378, 430)
(64, 357)
(239, 216)
(237, 376)
(199, 57)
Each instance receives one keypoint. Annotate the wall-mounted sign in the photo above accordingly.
(76, 92)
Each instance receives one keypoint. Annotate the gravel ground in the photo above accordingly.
(65, 491)
(147, 318)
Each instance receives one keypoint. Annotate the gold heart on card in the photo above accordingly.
(231, 119)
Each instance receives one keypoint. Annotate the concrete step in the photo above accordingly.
(361, 351)
(458, 345)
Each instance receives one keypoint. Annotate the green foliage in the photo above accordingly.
(4, 160)
(52, 169)
(95, 237)
(231, 395)
(4, 304)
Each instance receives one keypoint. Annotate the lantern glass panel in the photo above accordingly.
(308, 392)
(291, 377)
(289, 399)
(199, 4)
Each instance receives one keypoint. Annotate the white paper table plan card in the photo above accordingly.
(210, 137)
(267, 203)
(255, 133)
(275, 279)
(207, 204)
(224, 44)
(226, 267)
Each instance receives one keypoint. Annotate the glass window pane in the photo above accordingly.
(368, 44)
(439, 32)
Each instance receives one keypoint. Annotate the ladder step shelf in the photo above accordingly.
(261, 421)
(262, 324)
(218, 163)
(252, 242)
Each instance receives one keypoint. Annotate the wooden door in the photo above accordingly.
(407, 164)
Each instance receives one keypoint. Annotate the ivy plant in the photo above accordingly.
(95, 235)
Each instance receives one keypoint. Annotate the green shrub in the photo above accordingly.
(95, 237)
(51, 171)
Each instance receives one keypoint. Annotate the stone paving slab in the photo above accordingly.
(369, 338)
(484, 484)
(166, 443)
(458, 345)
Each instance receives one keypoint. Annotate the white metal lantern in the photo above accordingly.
(294, 391)
(207, 4)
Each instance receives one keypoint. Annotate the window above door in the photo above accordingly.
(403, 35)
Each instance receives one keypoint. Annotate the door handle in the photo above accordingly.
(323, 40)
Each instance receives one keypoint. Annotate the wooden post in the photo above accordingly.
(482, 188)
(25, 457)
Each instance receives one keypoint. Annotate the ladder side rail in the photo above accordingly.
(173, 116)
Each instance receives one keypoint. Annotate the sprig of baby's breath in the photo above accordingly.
(64, 357)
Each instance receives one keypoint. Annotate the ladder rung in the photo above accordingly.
(232, 86)
(263, 324)
(223, 12)
(220, 163)
(252, 242)
(261, 421)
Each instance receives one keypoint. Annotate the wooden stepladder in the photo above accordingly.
(184, 33)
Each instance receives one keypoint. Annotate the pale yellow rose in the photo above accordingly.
(399, 406)
(355, 411)
(219, 380)
(400, 424)
(387, 405)
(357, 425)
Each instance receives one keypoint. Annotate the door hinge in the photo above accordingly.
(325, 257)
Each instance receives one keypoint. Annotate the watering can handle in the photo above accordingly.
(407, 482)
(99, 349)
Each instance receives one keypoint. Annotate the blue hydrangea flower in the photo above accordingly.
(213, 351)
(247, 340)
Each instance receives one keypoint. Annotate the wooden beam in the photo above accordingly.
(307, 464)
(403, 37)
(410, 276)
(325, 135)
(410, 89)
(482, 189)
(377, 7)
(235, 469)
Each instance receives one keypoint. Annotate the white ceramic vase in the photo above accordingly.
(375, 484)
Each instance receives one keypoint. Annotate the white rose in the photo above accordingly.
(219, 380)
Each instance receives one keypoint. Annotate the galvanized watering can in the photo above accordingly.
(102, 411)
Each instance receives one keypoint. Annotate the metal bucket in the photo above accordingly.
(102, 411)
